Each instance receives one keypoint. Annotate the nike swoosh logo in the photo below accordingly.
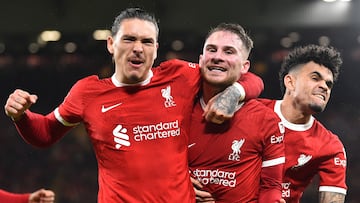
(191, 145)
(105, 109)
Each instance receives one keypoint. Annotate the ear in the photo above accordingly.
(289, 82)
(156, 50)
(245, 67)
(110, 43)
(200, 60)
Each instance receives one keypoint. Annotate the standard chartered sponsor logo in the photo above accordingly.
(156, 131)
(217, 177)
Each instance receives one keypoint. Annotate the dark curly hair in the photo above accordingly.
(322, 55)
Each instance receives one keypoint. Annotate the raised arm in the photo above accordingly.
(222, 106)
(18, 102)
(331, 197)
(39, 130)
(36, 129)
(252, 84)
(42, 196)
(13, 197)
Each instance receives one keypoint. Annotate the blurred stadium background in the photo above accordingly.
(29, 59)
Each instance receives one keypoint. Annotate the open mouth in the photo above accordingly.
(322, 97)
(216, 68)
(136, 61)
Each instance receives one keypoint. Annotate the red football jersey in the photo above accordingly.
(227, 159)
(131, 126)
(138, 132)
(310, 149)
(13, 197)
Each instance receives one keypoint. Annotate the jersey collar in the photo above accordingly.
(289, 125)
(142, 83)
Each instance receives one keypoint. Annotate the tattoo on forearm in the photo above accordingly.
(228, 100)
(331, 197)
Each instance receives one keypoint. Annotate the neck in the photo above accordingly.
(293, 112)
(208, 91)
(119, 82)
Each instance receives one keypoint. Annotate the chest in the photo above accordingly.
(229, 143)
(147, 113)
(304, 149)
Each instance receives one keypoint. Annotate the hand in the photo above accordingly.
(222, 106)
(42, 196)
(282, 201)
(201, 195)
(18, 102)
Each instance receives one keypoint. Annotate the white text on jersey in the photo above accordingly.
(340, 162)
(155, 131)
(285, 189)
(275, 140)
(218, 177)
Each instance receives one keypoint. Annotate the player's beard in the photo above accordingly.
(134, 76)
(219, 84)
(134, 79)
(316, 108)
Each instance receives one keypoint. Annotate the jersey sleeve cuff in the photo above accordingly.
(241, 89)
(332, 189)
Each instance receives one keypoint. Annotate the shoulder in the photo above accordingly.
(256, 105)
(175, 68)
(259, 109)
(88, 79)
(266, 102)
(177, 65)
(92, 81)
(327, 135)
(90, 85)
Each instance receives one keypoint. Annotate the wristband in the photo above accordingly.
(241, 89)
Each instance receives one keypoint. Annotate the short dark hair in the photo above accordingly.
(236, 29)
(130, 13)
(323, 55)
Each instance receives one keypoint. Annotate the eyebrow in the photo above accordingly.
(316, 73)
(329, 83)
(223, 48)
(135, 37)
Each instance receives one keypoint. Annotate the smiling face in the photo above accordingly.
(224, 59)
(309, 86)
(134, 50)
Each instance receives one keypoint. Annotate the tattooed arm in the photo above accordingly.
(223, 105)
(331, 197)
